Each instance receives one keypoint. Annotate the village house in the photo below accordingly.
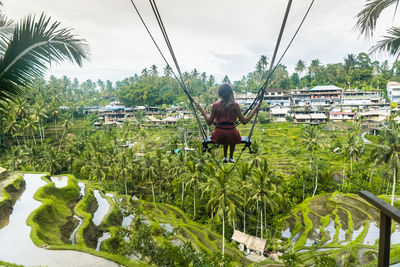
(274, 96)
(301, 97)
(341, 116)
(279, 113)
(375, 115)
(310, 118)
(361, 98)
(325, 95)
(393, 92)
(245, 99)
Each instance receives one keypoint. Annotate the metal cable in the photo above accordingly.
(154, 41)
(168, 42)
(284, 53)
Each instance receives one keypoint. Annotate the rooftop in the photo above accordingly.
(326, 88)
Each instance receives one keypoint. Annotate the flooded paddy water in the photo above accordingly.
(351, 221)
(16, 245)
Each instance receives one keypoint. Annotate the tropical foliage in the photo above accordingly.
(28, 47)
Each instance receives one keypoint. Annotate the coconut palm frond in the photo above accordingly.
(32, 46)
(395, 10)
(7, 27)
(367, 18)
(390, 43)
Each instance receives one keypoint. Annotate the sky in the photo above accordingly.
(219, 37)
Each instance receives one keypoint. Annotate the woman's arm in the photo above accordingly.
(244, 119)
(209, 119)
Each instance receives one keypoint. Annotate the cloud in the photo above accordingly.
(224, 37)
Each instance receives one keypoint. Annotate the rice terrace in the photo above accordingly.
(199, 133)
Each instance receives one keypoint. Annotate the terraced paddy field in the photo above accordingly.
(60, 221)
(75, 221)
(342, 226)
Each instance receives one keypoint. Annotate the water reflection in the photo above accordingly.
(16, 245)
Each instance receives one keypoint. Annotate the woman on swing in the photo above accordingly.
(224, 114)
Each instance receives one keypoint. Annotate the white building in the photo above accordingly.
(245, 99)
(279, 113)
(377, 115)
(361, 98)
(393, 91)
(341, 116)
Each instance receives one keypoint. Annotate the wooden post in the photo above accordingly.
(384, 240)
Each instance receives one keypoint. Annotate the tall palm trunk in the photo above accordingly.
(351, 166)
(344, 173)
(223, 230)
(59, 148)
(40, 133)
(258, 216)
(34, 138)
(394, 182)
(244, 220)
(55, 127)
(194, 203)
(316, 181)
(16, 139)
(183, 191)
(152, 191)
(261, 223)
(43, 132)
(126, 188)
(265, 215)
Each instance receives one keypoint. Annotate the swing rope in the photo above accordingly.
(260, 94)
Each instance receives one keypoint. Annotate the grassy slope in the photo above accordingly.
(199, 235)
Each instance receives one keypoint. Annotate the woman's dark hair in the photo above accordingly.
(225, 92)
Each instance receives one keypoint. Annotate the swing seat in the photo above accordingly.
(206, 141)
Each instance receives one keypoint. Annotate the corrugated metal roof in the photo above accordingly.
(325, 88)
(317, 116)
(302, 116)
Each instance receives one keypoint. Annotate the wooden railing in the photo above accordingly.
(387, 214)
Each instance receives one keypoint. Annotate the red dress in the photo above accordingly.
(225, 132)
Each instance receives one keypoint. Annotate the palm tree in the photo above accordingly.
(192, 179)
(353, 148)
(226, 79)
(11, 126)
(153, 70)
(40, 114)
(149, 173)
(223, 197)
(95, 167)
(389, 151)
(14, 158)
(244, 172)
(124, 169)
(310, 140)
(366, 23)
(67, 123)
(33, 153)
(350, 63)
(300, 67)
(51, 160)
(30, 123)
(27, 46)
(167, 71)
(265, 192)
(314, 67)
